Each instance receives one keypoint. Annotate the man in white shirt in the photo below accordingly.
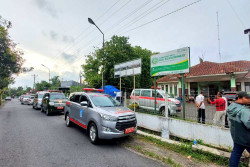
(199, 101)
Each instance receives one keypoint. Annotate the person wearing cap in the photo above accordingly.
(199, 101)
(220, 114)
(239, 116)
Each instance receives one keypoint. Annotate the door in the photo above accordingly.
(83, 110)
(74, 107)
(146, 100)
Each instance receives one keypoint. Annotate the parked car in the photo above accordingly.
(230, 96)
(53, 102)
(100, 114)
(31, 100)
(8, 98)
(144, 98)
(25, 99)
(21, 97)
(38, 99)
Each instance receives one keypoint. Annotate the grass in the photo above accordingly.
(186, 149)
(155, 156)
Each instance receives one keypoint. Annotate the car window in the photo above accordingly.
(158, 95)
(71, 98)
(146, 93)
(104, 101)
(137, 92)
(77, 98)
(57, 96)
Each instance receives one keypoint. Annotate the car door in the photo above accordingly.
(83, 110)
(74, 108)
(146, 99)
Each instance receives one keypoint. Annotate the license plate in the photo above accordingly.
(59, 107)
(129, 130)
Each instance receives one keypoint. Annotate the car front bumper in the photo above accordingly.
(113, 135)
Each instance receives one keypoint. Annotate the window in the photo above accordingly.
(158, 95)
(83, 98)
(71, 98)
(247, 85)
(77, 98)
(57, 96)
(104, 101)
(146, 93)
(137, 92)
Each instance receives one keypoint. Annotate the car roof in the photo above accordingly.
(88, 93)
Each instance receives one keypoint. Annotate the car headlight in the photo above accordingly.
(108, 117)
(51, 103)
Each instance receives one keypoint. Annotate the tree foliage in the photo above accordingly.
(117, 50)
(11, 60)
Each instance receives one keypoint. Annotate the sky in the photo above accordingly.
(57, 33)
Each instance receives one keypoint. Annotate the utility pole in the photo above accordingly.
(218, 27)
(80, 75)
(34, 81)
(247, 31)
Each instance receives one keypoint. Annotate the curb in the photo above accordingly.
(194, 147)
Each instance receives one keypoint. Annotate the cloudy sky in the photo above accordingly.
(57, 34)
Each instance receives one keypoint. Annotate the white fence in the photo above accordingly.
(209, 134)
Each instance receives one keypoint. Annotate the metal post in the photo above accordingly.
(102, 79)
(134, 93)
(155, 93)
(49, 75)
(183, 95)
(166, 104)
(120, 89)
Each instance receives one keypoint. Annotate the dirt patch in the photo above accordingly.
(163, 154)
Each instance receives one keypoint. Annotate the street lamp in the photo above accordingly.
(48, 69)
(247, 31)
(92, 22)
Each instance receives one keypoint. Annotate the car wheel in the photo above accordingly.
(93, 133)
(68, 122)
(47, 112)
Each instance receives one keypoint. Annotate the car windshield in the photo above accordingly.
(40, 96)
(26, 96)
(104, 101)
(57, 96)
(32, 97)
(230, 96)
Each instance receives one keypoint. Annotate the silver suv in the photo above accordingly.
(100, 114)
(145, 98)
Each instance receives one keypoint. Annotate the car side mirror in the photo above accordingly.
(84, 103)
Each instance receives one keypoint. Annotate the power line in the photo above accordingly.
(236, 14)
(145, 13)
(175, 11)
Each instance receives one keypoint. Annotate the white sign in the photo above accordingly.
(128, 68)
(172, 62)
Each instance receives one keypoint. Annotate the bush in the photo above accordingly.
(131, 106)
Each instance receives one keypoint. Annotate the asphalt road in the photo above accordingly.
(29, 138)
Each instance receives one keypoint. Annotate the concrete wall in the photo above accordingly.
(209, 134)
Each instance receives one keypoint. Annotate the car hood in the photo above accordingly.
(115, 111)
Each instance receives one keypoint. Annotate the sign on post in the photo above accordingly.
(172, 62)
(128, 68)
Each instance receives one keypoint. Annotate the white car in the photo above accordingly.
(31, 100)
(8, 98)
(145, 100)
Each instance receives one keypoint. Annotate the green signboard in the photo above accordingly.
(172, 62)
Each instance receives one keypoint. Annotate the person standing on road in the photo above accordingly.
(239, 116)
(219, 116)
(199, 101)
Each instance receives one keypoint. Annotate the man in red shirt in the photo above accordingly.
(219, 117)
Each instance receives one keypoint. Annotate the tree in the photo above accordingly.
(56, 83)
(117, 50)
(43, 85)
(11, 60)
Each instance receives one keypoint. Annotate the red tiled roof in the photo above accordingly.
(210, 68)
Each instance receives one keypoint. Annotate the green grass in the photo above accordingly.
(186, 149)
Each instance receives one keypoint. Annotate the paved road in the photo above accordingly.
(29, 138)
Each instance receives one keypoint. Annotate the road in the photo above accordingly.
(29, 138)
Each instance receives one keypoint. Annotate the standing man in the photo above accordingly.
(199, 101)
(219, 116)
(226, 105)
(239, 115)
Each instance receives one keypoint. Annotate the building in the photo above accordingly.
(68, 84)
(210, 77)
